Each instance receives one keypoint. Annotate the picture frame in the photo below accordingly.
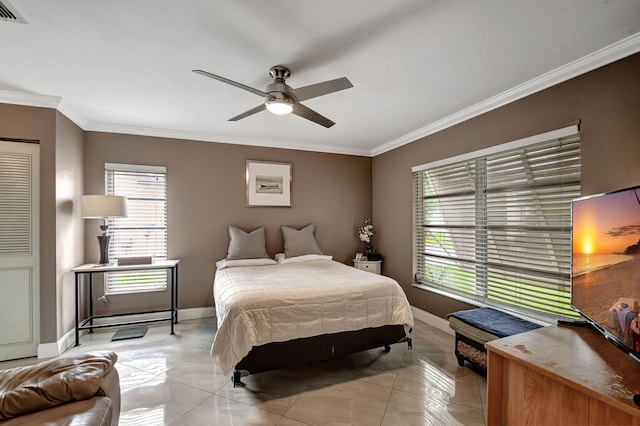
(358, 256)
(268, 184)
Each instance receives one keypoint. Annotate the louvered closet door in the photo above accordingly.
(19, 250)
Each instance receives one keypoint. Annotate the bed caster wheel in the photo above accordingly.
(387, 348)
(236, 378)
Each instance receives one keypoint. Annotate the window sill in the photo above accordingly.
(538, 320)
(124, 293)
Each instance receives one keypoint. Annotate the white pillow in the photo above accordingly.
(305, 258)
(224, 263)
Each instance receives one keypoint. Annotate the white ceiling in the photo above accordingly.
(417, 66)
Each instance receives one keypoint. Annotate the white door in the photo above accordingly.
(19, 250)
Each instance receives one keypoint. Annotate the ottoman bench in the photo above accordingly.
(475, 327)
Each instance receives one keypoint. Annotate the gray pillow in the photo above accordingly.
(246, 245)
(298, 242)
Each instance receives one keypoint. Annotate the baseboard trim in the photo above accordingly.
(432, 320)
(196, 313)
(54, 349)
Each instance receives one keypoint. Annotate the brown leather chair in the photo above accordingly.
(83, 389)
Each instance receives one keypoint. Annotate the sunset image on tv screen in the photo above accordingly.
(605, 282)
(606, 225)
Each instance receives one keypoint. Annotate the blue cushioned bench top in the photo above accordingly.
(495, 322)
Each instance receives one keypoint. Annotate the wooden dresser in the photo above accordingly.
(560, 375)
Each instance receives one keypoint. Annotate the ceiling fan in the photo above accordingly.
(280, 98)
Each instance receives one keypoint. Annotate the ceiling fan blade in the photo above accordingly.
(248, 113)
(319, 89)
(231, 82)
(309, 114)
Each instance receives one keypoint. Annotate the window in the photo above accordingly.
(144, 231)
(494, 227)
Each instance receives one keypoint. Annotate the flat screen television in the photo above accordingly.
(605, 265)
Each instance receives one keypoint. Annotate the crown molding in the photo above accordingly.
(44, 101)
(64, 107)
(73, 114)
(206, 137)
(599, 58)
(29, 99)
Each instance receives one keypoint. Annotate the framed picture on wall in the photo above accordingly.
(268, 184)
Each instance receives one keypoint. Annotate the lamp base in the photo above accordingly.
(103, 242)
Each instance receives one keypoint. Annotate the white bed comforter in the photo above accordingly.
(256, 305)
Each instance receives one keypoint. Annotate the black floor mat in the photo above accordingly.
(129, 333)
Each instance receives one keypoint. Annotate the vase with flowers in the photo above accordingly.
(365, 233)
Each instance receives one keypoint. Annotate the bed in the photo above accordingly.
(302, 309)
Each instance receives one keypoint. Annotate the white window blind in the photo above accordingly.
(144, 231)
(496, 229)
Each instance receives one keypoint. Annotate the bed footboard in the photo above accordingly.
(317, 348)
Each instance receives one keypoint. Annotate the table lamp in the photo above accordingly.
(103, 207)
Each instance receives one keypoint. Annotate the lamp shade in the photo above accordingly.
(101, 206)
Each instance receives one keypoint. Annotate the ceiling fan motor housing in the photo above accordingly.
(279, 90)
(279, 72)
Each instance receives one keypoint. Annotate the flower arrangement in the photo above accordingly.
(365, 233)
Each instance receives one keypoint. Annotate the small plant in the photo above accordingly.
(365, 233)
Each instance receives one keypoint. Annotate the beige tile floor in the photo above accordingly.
(171, 380)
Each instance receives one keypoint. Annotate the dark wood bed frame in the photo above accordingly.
(317, 348)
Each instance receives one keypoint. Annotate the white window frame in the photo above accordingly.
(472, 225)
(147, 213)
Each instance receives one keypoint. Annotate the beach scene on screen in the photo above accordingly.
(606, 260)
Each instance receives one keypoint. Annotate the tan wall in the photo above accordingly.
(22, 122)
(336, 192)
(206, 192)
(69, 222)
(607, 101)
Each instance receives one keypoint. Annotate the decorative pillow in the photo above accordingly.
(224, 263)
(246, 245)
(298, 242)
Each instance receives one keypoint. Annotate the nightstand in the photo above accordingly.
(374, 266)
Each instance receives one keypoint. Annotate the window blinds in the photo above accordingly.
(496, 229)
(144, 231)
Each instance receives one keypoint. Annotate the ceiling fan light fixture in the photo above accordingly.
(281, 99)
(279, 106)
